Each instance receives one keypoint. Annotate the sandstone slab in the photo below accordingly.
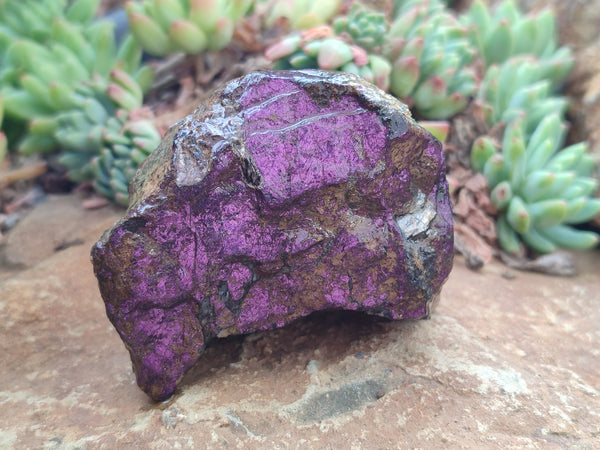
(27, 245)
(285, 194)
(508, 360)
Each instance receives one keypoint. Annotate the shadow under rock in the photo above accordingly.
(334, 334)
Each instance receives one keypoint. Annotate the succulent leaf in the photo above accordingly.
(166, 26)
(518, 215)
(498, 46)
(82, 11)
(304, 14)
(568, 237)
(149, 34)
(334, 53)
(101, 37)
(405, 76)
(3, 146)
(547, 213)
(508, 238)
(438, 128)
(536, 241)
(367, 28)
(507, 32)
(482, 150)
(501, 195)
(187, 36)
(223, 32)
(494, 169)
(589, 210)
(205, 13)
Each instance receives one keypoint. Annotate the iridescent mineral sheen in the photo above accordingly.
(286, 193)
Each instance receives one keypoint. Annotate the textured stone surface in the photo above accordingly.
(287, 193)
(26, 245)
(503, 363)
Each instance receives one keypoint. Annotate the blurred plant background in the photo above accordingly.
(87, 88)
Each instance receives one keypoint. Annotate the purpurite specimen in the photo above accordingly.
(286, 193)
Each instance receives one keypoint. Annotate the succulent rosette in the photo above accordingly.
(81, 106)
(508, 32)
(34, 86)
(523, 86)
(365, 27)
(538, 188)
(163, 27)
(431, 60)
(303, 14)
(104, 137)
(337, 47)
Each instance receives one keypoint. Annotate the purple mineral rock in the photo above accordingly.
(286, 193)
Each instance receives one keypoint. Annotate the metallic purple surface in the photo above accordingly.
(286, 193)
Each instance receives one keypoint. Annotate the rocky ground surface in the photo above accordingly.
(508, 360)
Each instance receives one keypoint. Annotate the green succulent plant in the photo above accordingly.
(431, 57)
(330, 53)
(524, 85)
(126, 143)
(431, 6)
(83, 105)
(163, 27)
(304, 14)
(508, 32)
(323, 48)
(100, 138)
(423, 57)
(34, 86)
(365, 27)
(103, 140)
(539, 189)
(32, 18)
(41, 91)
(3, 141)
(440, 129)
